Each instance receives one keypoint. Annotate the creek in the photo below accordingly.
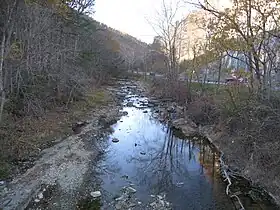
(147, 165)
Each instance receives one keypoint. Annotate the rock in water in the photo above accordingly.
(131, 190)
(115, 140)
(40, 195)
(160, 203)
(95, 194)
(129, 104)
(124, 113)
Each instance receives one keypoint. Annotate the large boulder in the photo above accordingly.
(183, 121)
(189, 130)
(186, 125)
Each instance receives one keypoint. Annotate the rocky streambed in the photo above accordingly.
(128, 156)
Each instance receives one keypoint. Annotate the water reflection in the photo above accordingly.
(150, 156)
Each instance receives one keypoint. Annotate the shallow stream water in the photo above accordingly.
(155, 161)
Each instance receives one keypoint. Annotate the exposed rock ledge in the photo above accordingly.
(186, 125)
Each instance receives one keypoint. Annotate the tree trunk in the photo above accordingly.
(2, 54)
(189, 86)
(251, 89)
(219, 71)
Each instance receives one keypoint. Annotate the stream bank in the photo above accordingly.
(178, 116)
(56, 177)
(139, 162)
(147, 165)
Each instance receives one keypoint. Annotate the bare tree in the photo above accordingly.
(82, 6)
(169, 29)
(248, 27)
(50, 58)
(7, 12)
(130, 57)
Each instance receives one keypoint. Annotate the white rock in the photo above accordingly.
(160, 197)
(161, 203)
(120, 198)
(167, 203)
(40, 195)
(95, 194)
(131, 190)
(153, 204)
(179, 184)
(37, 200)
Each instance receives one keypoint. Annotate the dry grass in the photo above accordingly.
(246, 129)
(249, 135)
(24, 138)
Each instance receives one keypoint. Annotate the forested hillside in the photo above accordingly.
(52, 53)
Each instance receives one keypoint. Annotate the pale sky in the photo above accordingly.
(130, 16)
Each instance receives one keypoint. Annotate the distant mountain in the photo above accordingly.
(135, 53)
(131, 48)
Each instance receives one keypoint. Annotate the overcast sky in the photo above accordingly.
(130, 16)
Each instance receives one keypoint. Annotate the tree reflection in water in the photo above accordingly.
(157, 160)
(166, 165)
